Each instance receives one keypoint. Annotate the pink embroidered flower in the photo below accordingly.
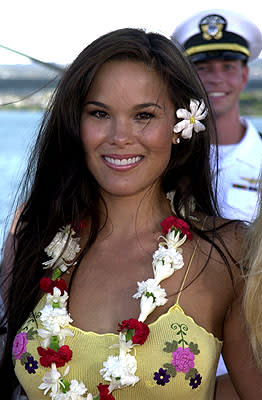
(177, 223)
(183, 359)
(19, 345)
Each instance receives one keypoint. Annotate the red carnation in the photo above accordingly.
(104, 392)
(49, 356)
(141, 330)
(177, 223)
(81, 225)
(47, 285)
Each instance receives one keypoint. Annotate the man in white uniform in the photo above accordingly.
(220, 43)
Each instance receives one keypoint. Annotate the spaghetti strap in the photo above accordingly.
(187, 271)
(189, 265)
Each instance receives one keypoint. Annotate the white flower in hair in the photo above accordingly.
(198, 111)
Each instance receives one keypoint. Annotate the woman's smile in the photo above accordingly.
(122, 163)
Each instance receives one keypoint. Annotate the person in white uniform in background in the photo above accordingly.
(221, 43)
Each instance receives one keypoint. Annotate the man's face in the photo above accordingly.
(223, 81)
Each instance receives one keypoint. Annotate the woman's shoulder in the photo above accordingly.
(226, 240)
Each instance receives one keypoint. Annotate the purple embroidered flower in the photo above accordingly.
(19, 345)
(31, 365)
(183, 359)
(161, 377)
(196, 381)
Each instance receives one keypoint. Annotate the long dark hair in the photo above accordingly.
(58, 187)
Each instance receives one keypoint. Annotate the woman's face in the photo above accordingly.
(127, 128)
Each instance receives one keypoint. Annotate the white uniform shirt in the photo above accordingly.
(239, 168)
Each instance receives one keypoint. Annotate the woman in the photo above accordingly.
(121, 174)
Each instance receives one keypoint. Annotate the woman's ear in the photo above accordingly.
(175, 138)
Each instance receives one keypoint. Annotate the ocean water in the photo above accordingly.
(18, 130)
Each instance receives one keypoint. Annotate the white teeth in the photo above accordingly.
(216, 94)
(124, 161)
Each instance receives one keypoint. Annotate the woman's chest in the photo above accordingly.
(102, 294)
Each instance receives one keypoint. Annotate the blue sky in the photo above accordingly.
(57, 30)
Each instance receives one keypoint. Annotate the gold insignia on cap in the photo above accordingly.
(212, 27)
(250, 180)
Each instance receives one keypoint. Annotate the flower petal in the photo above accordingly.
(180, 126)
(201, 108)
(194, 104)
(182, 113)
(198, 126)
(187, 132)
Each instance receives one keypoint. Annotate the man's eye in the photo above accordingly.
(99, 114)
(201, 68)
(144, 116)
(228, 67)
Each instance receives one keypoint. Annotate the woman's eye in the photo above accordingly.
(99, 114)
(144, 116)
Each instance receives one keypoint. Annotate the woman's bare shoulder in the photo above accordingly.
(226, 241)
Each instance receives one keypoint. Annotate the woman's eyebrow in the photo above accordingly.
(96, 103)
(137, 107)
(145, 105)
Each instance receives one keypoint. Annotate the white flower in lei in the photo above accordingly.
(63, 249)
(191, 119)
(75, 392)
(118, 370)
(165, 262)
(52, 380)
(152, 295)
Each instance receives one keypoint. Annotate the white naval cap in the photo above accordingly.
(219, 33)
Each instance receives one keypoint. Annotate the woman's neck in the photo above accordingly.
(138, 213)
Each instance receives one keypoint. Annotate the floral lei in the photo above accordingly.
(119, 370)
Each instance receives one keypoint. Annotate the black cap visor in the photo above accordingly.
(222, 55)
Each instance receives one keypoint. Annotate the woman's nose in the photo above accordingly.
(121, 133)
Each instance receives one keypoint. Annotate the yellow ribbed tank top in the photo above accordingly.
(176, 346)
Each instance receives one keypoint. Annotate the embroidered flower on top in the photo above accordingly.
(183, 358)
(19, 345)
(196, 381)
(191, 119)
(31, 365)
(161, 377)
